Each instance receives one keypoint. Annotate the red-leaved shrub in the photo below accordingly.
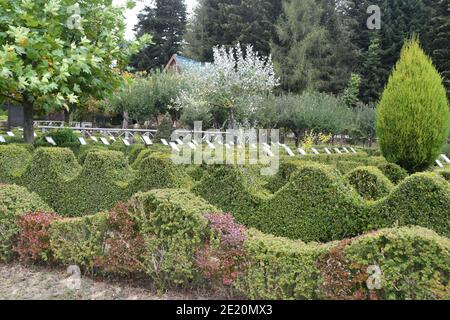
(124, 246)
(220, 257)
(33, 241)
(343, 279)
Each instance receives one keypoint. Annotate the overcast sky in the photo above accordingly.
(131, 15)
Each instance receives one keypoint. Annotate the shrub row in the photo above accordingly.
(179, 245)
(318, 205)
(413, 264)
(104, 179)
(229, 188)
(287, 167)
(369, 182)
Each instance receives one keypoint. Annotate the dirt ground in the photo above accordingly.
(23, 282)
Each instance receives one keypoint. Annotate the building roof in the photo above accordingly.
(179, 62)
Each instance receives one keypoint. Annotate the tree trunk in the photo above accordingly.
(297, 139)
(28, 129)
(66, 116)
(232, 120)
(125, 120)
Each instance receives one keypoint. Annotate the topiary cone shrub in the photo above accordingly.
(413, 115)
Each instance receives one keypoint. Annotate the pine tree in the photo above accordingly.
(400, 20)
(228, 22)
(373, 73)
(311, 51)
(440, 46)
(165, 20)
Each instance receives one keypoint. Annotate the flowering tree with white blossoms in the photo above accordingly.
(224, 84)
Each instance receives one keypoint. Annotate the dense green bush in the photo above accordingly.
(394, 172)
(165, 129)
(134, 151)
(444, 173)
(102, 182)
(413, 114)
(278, 268)
(345, 167)
(156, 171)
(172, 225)
(414, 264)
(370, 182)
(14, 202)
(13, 161)
(422, 199)
(343, 162)
(85, 150)
(48, 172)
(315, 205)
(228, 188)
(79, 241)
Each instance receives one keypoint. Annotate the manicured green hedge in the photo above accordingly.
(104, 179)
(14, 202)
(319, 205)
(228, 188)
(343, 162)
(102, 182)
(278, 268)
(79, 241)
(13, 161)
(134, 152)
(47, 174)
(444, 174)
(414, 261)
(156, 171)
(369, 182)
(414, 264)
(422, 199)
(65, 138)
(315, 205)
(393, 171)
(172, 225)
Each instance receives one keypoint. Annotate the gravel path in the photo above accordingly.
(40, 283)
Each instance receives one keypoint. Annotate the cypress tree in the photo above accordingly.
(413, 115)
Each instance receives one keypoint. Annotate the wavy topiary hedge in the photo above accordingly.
(157, 171)
(414, 264)
(14, 202)
(104, 179)
(228, 187)
(369, 182)
(422, 199)
(47, 173)
(413, 261)
(343, 162)
(315, 205)
(393, 171)
(102, 182)
(279, 268)
(13, 161)
(318, 205)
